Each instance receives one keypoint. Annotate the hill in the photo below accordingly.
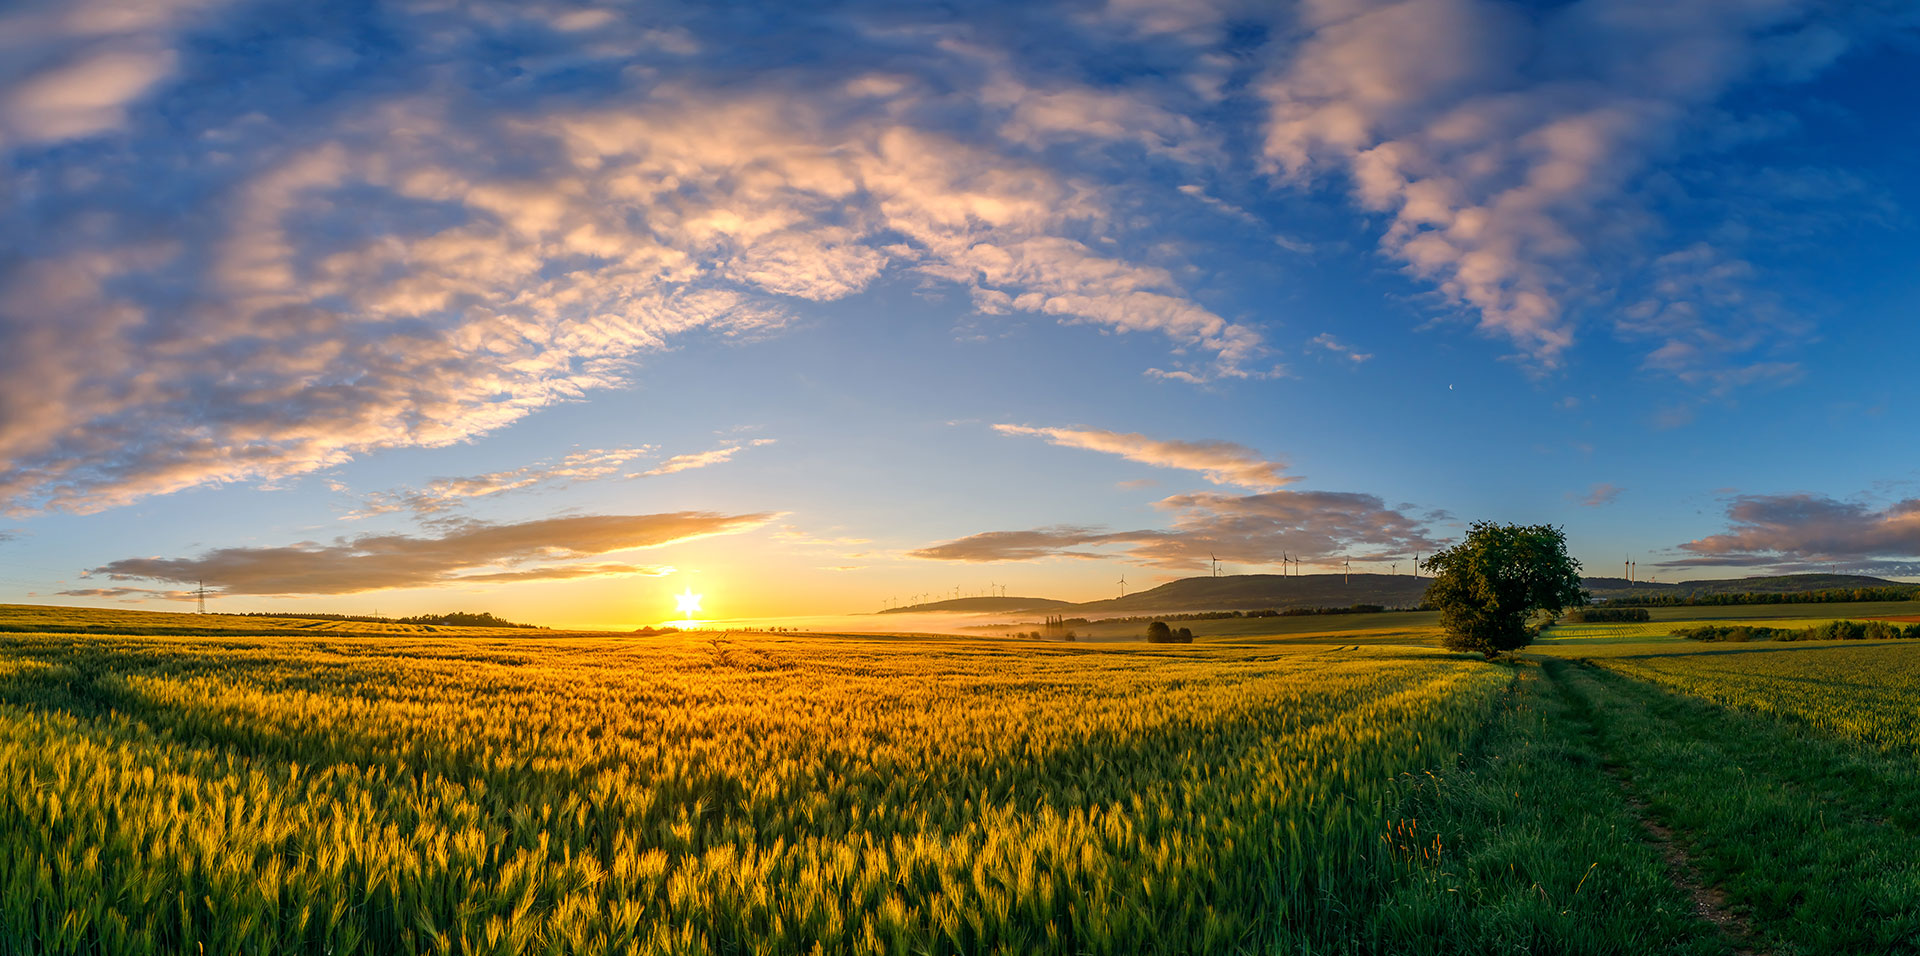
(988, 605)
(1256, 592)
(1610, 588)
(54, 619)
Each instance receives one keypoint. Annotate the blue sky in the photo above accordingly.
(559, 309)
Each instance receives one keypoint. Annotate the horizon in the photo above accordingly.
(561, 313)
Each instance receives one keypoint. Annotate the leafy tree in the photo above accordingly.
(1489, 586)
(1159, 633)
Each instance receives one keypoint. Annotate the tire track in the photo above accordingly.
(1710, 903)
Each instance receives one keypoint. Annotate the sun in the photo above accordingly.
(689, 603)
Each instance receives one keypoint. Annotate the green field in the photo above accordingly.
(1391, 627)
(1294, 785)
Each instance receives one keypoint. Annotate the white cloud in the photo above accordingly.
(431, 267)
(1505, 141)
(1220, 462)
(72, 68)
(1254, 530)
(473, 552)
(443, 494)
(1604, 493)
(1326, 341)
(703, 459)
(1803, 532)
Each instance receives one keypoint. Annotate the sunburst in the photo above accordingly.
(689, 603)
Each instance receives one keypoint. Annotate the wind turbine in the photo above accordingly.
(1123, 585)
(1216, 563)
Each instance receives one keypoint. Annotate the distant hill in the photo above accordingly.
(988, 605)
(1257, 592)
(1232, 592)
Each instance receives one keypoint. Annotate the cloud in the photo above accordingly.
(1327, 341)
(442, 494)
(250, 253)
(73, 68)
(1809, 532)
(473, 552)
(1255, 530)
(1507, 142)
(688, 462)
(309, 266)
(131, 594)
(1220, 462)
(795, 536)
(1601, 494)
(1050, 542)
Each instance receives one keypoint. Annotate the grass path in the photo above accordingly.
(1806, 842)
(1519, 851)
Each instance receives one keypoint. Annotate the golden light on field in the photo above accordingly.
(688, 604)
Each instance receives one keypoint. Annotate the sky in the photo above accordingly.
(558, 310)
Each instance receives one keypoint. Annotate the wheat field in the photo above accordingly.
(695, 794)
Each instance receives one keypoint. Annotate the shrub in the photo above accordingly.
(1734, 633)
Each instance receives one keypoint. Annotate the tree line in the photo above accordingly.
(1897, 592)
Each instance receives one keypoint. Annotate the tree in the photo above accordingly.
(1159, 633)
(1489, 586)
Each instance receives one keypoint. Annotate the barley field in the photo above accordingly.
(696, 794)
(1864, 690)
(1327, 789)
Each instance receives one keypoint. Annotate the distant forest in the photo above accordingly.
(1903, 592)
(450, 619)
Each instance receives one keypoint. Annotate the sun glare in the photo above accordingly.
(689, 603)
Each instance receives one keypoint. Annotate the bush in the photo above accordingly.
(1734, 634)
(1159, 633)
(1827, 631)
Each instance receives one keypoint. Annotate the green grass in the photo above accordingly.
(1387, 627)
(1668, 619)
(1863, 690)
(1811, 837)
(1527, 849)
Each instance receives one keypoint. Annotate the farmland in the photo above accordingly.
(1319, 784)
(698, 794)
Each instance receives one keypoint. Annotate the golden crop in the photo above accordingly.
(1864, 691)
(698, 795)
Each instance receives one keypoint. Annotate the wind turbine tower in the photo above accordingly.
(1123, 585)
(1216, 563)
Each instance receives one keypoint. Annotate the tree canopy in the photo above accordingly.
(1489, 586)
